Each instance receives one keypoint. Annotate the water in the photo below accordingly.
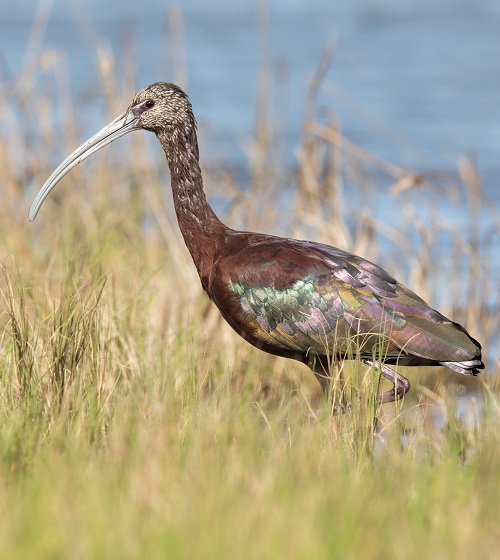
(426, 72)
(428, 69)
(417, 82)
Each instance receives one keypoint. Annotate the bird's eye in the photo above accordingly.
(149, 103)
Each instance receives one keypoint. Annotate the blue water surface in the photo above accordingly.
(417, 82)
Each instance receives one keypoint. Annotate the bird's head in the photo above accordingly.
(162, 108)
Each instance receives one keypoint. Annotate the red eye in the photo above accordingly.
(149, 103)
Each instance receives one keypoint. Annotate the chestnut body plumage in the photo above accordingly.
(291, 298)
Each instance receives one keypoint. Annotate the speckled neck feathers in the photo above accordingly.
(198, 223)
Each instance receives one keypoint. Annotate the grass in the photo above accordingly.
(135, 424)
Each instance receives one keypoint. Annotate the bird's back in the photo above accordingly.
(291, 298)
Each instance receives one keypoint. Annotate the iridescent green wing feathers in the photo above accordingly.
(329, 301)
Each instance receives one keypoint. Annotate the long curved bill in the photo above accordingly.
(122, 125)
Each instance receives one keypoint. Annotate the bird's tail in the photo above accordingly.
(470, 367)
(467, 367)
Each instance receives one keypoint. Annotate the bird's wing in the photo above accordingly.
(301, 296)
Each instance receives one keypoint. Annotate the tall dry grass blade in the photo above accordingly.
(21, 330)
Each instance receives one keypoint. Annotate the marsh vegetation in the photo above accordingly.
(134, 423)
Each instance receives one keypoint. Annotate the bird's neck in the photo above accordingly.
(201, 228)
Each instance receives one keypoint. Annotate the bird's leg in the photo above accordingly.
(401, 384)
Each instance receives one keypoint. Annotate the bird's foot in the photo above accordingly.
(401, 384)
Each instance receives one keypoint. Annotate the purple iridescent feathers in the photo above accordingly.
(304, 297)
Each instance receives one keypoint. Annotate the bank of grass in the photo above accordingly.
(135, 424)
(119, 439)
